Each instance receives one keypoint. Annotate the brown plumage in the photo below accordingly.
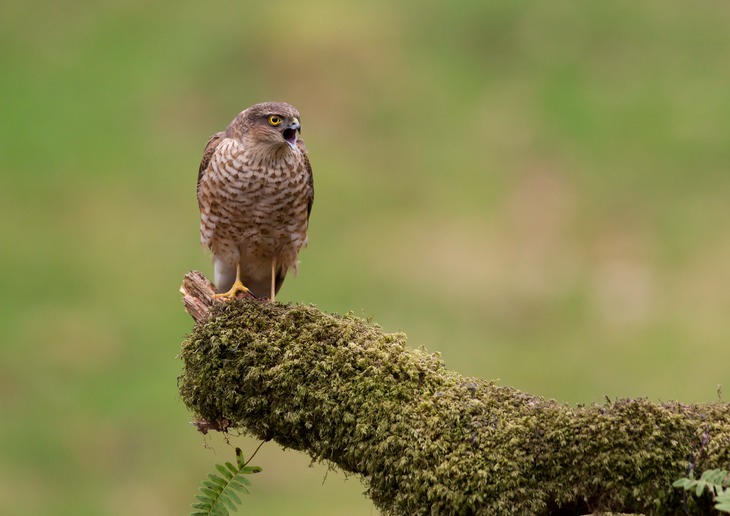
(255, 194)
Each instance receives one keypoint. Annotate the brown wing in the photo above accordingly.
(207, 155)
(280, 272)
(310, 177)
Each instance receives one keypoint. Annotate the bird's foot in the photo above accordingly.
(237, 288)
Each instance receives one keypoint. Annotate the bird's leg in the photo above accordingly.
(235, 289)
(273, 280)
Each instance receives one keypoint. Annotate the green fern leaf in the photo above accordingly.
(723, 502)
(241, 478)
(219, 494)
(227, 503)
(216, 479)
(249, 470)
(239, 487)
(204, 504)
(224, 471)
(211, 493)
(234, 498)
(682, 482)
(714, 476)
(701, 485)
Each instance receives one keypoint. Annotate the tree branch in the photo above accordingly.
(424, 439)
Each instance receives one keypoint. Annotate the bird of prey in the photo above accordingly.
(255, 194)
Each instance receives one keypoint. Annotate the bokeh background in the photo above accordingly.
(537, 190)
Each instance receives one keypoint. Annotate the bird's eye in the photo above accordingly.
(275, 120)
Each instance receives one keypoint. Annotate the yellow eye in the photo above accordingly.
(275, 120)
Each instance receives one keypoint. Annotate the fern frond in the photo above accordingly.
(219, 492)
(723, 501)
(716, 481)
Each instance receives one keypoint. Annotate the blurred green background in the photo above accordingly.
(538, 190)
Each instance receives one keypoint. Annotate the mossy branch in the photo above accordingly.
(427, 440)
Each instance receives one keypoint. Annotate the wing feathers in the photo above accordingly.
(310, 178)
(210, 148)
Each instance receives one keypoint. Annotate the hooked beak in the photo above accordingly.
(290, 133)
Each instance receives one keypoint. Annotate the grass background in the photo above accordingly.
(539, 191)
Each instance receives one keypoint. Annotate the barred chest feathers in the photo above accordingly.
(264, 199)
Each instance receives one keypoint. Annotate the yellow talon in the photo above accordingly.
(233, 292)
(235, 289)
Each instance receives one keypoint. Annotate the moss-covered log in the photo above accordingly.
(427, 440)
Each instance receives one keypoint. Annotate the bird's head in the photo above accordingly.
(271, 123)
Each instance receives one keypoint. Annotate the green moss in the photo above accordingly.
(428, 440)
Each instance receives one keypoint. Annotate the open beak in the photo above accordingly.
(290, 133)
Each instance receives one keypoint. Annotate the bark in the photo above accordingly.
(427, 440)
